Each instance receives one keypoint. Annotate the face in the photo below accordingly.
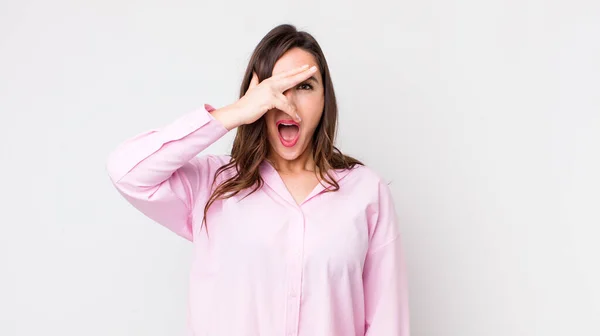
(289, 142)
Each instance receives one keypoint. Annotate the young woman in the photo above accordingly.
(291, 237)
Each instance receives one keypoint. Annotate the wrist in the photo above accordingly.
(229, 116)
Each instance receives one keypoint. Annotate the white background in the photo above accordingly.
(485, 115)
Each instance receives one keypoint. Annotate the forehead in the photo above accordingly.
(294, 58)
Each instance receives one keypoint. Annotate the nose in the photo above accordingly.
(289, 93)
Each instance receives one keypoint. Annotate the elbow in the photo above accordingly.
(127, 182)
(111, 166)
(114, 168)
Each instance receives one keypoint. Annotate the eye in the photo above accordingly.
(306, 85)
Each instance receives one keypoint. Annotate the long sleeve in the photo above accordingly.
(384, 274)
(159, 173)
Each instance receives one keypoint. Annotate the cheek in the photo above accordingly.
(269, 116)
(312, 109)
(272, 131)
(270, 121)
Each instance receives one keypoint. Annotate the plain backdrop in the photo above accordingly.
(483, 115)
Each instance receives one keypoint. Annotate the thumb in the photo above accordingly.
(253, 81)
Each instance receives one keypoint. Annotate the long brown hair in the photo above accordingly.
(251, 145)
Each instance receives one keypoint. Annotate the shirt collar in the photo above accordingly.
(272, 178)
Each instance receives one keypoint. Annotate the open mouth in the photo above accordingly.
(289, 132)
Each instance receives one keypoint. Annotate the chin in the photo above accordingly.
(285, 152)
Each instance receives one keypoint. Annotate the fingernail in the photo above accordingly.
(313, 68)
(304, 66)
(297, 116)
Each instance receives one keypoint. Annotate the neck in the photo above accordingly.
(304, 162)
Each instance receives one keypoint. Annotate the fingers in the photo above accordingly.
(282, 84)
(281, 103)
(290, 72)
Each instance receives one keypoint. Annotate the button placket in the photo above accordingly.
(294, 274)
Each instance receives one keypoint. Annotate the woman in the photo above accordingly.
(291, 237)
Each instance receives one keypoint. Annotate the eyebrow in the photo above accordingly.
(312, 78)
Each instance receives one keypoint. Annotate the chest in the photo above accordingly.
(262, 232)
(300, 186)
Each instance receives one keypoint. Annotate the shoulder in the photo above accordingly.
(211, 162)
(215, 159)
(366, 175)
(366, 181)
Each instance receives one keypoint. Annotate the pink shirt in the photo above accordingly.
(331, 266)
